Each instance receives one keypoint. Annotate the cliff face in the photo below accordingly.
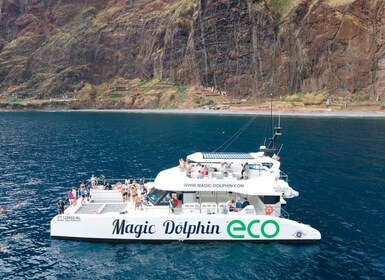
(248, 48)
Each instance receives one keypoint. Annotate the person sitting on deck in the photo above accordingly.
(245, 203)
(231, 205)
(238, 203)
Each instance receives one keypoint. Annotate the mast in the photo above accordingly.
(275, 130)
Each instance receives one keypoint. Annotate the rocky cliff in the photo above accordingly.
(246, 48)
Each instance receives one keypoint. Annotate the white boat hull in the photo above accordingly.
(113, 227)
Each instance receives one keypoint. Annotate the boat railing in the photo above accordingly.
(113, 182)
(283, 176)
(284, 214)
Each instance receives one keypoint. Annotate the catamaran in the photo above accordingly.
(213, 196)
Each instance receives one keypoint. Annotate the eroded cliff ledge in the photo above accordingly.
(105, 51)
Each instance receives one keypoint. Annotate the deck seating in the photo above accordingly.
(209, 208)
(105, 196)
(191, 208)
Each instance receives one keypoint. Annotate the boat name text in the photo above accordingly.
(235, 229)
(120, 227)
(238, 229)
(170, 227)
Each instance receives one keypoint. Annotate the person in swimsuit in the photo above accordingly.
(134, 192)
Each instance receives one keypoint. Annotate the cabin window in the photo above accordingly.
(269, 199)
(267, 164)
(159, 197)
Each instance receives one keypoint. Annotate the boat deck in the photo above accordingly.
(128, 208)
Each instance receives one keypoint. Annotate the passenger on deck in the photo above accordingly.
(118, 186)
(188, 168)
(83, 192)
(135, 183)
(245, 203)
(94, 181)
(141, 182)
(206, 170)
(202, 172)
(123, 191)
(138, 202)
(71, 196)
(238, 203)
(144, 191)
(60, 207)
(144, 195)
(104, 180)
(181, 164)
(134, 192)
(245, 171)
(106, 185)
(231, 205)
(128, 191)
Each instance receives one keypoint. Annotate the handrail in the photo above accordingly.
(117, 180)
(284, 214)
(283, 176)
(113, 180)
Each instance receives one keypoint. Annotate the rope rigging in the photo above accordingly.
(235, 136)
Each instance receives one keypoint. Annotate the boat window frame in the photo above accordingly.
(160, 201)
(270, 199)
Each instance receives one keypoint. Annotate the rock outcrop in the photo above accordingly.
(246, 48)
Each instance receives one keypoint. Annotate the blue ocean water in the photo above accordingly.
(335, 163)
